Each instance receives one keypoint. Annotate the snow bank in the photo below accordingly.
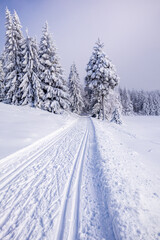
(132, 184)
(21, 126)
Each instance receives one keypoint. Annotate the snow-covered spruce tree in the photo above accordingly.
(116, 117)
(145, 104)
(152, 103)
(157, 103)
(18, 36)
(1, 81)
(12, 58)
(132, 93)
(127, 106)
(112, 102)
(30, 87)
(75, 90)
(8, 57)
(101, 77)
(55, 90)
(136, 98)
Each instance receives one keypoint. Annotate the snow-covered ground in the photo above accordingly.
(87, 179)
(131, 166)
(52, 189)
(21, 126)
(146, 138)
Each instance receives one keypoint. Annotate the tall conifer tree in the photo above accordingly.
(30, 86)
(1, 81)
(51, 75)
(9, 58)
(18, 55)
(75, 90)
(127, 106)
(12, 58)
(101, 77)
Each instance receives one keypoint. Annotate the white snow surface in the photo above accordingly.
(20, 126)
(87, 179)
(52, 189)
(131, 166)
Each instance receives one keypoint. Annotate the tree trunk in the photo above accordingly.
(103, 109)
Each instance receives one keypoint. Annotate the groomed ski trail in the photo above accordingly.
(52, 190)
(71, 198)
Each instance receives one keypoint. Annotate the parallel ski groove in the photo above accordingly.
(72, 196)
(42, 182)
(55, 196)
(31, 159)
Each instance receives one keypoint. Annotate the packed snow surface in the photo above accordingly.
(87, 179)
(52, 189)
(131, 166)
(21, 126)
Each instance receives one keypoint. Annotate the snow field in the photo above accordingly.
(85, 180)
(52, 189)
(30, 200)
(22, 126)
(133, 186)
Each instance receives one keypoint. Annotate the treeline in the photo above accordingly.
(140, 102)
(31, 74)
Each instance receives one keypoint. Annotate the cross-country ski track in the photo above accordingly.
(52, 189)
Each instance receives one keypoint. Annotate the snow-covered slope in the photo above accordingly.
(130, 166)
(86, 179)
(21, 126)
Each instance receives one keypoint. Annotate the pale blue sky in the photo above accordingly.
(129, 29)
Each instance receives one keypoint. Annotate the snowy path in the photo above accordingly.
(54, 190)
(71, 198)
